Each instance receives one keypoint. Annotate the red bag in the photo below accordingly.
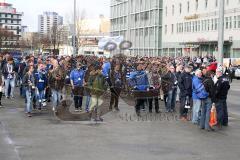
(213, 116)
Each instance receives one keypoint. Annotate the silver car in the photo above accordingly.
(237, 73)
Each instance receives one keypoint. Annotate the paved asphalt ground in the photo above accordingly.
(43, 137)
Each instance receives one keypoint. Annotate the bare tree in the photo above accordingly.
(5, 35)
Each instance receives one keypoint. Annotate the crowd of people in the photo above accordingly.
(196, 84)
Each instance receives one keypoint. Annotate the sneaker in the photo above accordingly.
(80, 109)
(1, 106)
(29, 115)
(54, 109)
(76, 110)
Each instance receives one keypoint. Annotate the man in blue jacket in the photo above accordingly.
(77, 82)
(196, 86)
(140, 83)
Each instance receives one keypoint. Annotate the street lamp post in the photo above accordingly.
(74, 29)
(220, 33)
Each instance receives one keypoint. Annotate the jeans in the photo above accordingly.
(205, 113)
(171, 99)
(29, 99)
(10, 82)
(56, 95)
(222, 112)
(196, 111)
(40, 97)
(96, 102)
(88, 98)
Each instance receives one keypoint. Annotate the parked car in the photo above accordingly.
(237, 72)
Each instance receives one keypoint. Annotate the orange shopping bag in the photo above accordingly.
(213, 116)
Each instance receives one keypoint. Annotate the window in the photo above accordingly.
(188, 6)
(239, 21)
(172, 9)
(230, 22)
(136, 33)
(196, 5)
(165, 29)
(180, 8)
(166, 10)
(206, 4)
(146, 32)
(235, 22)
(226, 22)
(216, 3)
(172, 28)
(227, 2)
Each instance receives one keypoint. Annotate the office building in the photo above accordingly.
(10, 23)
(190, 27)
(47, 21)
(138, 21)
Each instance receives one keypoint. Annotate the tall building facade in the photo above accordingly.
(138, 21)
(47, 21)
(10, 22)
(190, 27)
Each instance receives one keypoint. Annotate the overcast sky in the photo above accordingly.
(32, 8)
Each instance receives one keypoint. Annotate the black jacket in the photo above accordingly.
(5, 70)
(185, 84)
(209, 86)
(221, 88)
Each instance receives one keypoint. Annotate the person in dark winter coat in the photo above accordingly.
(116, 78)
(207, 102)
(171, 88)
(185, 86)
(220, 97)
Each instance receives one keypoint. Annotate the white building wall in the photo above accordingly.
(199, 16)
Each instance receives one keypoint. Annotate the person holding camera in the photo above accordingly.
(171, 88)
(28, 84)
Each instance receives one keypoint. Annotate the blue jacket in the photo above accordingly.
(77, 76)
(196, 82)
(106, 69)
(139, 80)
(40, 80)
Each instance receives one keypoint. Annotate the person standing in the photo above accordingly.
(198, 94)
(220, 97)
(154, 82)
(56, 83)
(28, 83)
(116, 86)
(9, 77)
(185, 86)
(207, 102)
(140, 83)
(97, 86)
(77, 82)
(171, 88)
